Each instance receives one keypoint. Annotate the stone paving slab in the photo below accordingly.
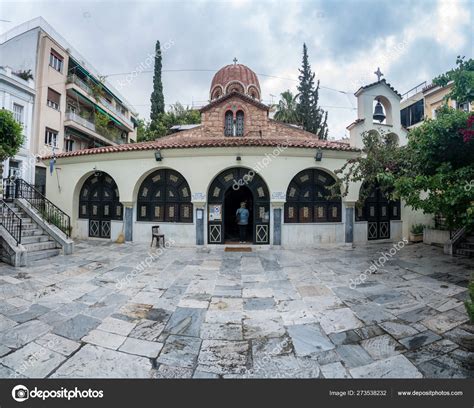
(205, 313)
(97, 362)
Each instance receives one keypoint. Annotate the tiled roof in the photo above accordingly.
(376, 83)
(246, 98)
(182, 141)
(235, 72)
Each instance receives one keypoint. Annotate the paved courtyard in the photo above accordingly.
(206, 313)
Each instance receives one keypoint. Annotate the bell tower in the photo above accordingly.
(378, 110)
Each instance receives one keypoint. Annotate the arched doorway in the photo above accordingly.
(99, 202)
(226, 192)
(378, 210)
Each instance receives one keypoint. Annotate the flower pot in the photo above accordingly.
(415, 237)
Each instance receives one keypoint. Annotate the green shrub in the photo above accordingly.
(417, 229)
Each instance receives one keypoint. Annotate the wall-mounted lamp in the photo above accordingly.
(97, 172)
(238, 158)
(158, 156)
(319, 155)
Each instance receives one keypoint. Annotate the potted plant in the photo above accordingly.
(416, 233)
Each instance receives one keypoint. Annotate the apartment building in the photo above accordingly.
(422, 101)
(17, 94)
(75, 108)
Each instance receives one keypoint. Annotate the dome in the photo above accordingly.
(235, 77)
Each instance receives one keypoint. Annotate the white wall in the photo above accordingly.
(199, 167)
(14, 90)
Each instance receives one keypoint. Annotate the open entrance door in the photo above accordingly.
(232, 201)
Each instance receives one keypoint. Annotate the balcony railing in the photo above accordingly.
(79, 119)
(80, 83)
(110, 134)
(85, 87)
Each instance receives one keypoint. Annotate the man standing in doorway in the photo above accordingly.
(242, 215)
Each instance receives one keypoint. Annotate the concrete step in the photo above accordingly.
(466, 245)
(31, 232)
(465, 252)
(33, 239)
(39, 246)
(28, 225)
(37, 255)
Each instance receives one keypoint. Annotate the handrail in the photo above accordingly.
(48, 211)
(11, 222)
(452, 243)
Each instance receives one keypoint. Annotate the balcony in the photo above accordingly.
(74, 79)
(111, 136)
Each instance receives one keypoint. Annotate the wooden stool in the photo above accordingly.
(155, 234)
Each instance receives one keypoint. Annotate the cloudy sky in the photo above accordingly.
(347, 40)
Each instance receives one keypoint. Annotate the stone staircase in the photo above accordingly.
(38, 244)
(466, 247)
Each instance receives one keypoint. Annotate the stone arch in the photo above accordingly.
(235, 86)
(310, 198)
(253, 92)
(164, 195)
(228, 181)
(217, 91)
(98, 201)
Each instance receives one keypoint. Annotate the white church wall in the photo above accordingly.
(360, 232)
(198, 166)
(312, 234)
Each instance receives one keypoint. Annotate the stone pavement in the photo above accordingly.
(206, 313)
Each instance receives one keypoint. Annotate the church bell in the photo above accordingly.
(378, 112)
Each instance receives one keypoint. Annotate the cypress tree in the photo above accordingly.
(157, 99)
(312, 117)
(305, 89)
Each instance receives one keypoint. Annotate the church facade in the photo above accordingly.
(192, 182)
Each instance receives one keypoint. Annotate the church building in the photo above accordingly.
(192, 182)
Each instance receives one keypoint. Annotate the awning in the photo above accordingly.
(89, 75)
(110, 117)
(89, 101)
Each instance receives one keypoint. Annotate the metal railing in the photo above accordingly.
(110, 134)
(19, 188)
(85, 87)
(10, 221)
(79, 119)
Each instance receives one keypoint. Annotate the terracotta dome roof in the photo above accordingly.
(235, 73)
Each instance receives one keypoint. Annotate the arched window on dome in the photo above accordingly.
(239, 131)
(229, 124)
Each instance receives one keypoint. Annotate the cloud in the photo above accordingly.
(347, 41)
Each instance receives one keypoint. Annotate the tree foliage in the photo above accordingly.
(11, 135)
(157, 99)
(463, 78)
(311, 116)
(286, 108)
(438, 169)
(378, 165)
(176, 115)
